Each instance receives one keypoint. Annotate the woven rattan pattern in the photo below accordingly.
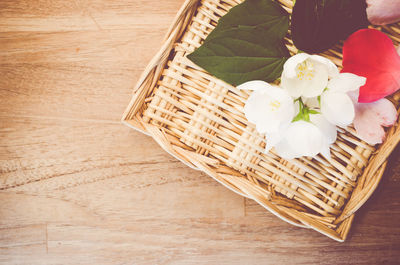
(200, 120)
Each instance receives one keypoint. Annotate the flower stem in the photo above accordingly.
(304, 111)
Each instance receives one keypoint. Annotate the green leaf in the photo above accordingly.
(265, 14)
(298, 117)
(311, 111)
(317, 25)
(247, 44)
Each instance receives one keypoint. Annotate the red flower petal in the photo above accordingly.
(370, 53)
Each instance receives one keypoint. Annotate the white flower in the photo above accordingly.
(336, 105)
(304, 138)
(269, 107)
(307, 75)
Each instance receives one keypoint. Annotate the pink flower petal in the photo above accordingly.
(370, 132)
(370, 117)
(382, 12)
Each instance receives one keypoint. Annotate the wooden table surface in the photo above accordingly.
(78, 187)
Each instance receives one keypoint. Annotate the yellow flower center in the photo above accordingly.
(305, 70)
(274, 105)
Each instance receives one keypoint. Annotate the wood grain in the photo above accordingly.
(77, 187)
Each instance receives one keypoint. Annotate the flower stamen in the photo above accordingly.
(274, 105)
(306, 70)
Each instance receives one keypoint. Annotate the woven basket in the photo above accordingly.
(199, 120)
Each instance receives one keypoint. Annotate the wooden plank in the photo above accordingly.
(76, 81)
(19, 244)
(99, 164)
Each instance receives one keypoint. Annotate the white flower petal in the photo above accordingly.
(284, 150)
(292, 85)
(267, 125)
(256, 112)
(270, 109)
(273, 139)
(300, 139)
(346, 82)
(296, 108)
(314, 86)
(252, 109)
(337, 108)
(289, 68)
(354, 95)
(326, 151)
(253, 85)
(312, 103)
(328, 129)
(333, 71)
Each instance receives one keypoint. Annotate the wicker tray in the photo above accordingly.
(199, 120)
